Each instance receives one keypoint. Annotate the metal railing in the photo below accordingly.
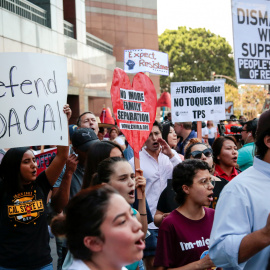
(68, 29)
(25, 9)
(99, 44)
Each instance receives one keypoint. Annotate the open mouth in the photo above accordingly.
(156, 144)
(140, 244)
(210, 197)
(34, 173)
(132, 193)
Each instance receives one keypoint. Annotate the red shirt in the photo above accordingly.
(219, 172)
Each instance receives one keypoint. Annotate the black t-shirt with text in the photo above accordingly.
(24, 237)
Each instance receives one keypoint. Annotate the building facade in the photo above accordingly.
(91, 34)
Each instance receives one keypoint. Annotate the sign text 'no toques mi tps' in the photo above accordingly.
(143, 60)
(33, 91)
(134, 107)
(197, 101)
(251, 21)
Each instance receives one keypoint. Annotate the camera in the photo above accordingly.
(236, 129)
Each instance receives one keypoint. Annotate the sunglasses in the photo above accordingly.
(198, 154)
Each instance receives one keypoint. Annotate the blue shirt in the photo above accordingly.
(181, 145)
(245, 156)
(243, 208)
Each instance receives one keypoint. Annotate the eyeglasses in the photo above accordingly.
(207, 181)
(198, 154)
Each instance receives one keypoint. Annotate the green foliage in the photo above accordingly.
(193, 54)
(249, 99)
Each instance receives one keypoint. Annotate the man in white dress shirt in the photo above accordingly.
(157, 161)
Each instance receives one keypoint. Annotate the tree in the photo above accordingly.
(193, 54)
(249, 99)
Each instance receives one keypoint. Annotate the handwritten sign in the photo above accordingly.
(143, 60)
(197, 101)
(33, 91)
(251, 41)
(134, 107)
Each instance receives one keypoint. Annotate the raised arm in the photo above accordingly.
(57, 165)
(60, 195)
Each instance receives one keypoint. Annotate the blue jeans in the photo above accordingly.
(46, 267)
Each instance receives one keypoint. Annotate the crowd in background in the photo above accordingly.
(89, 194)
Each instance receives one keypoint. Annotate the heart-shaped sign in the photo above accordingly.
(134, 107)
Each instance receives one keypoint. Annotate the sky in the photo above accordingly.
(213, 15)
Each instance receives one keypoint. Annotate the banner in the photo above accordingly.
(143, 60)
(251, 41)
(33, 91)
(44, 159)
(197, 101)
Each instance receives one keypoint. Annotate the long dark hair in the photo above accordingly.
(96, 153)
(84, 215)
(105, 169)
(217, 145)
(10, 169)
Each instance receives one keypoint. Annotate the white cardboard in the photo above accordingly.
(197, 101)
(33, 90)
(251, 35)
(143, 60)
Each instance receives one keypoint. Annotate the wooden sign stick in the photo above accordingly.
(199, 130)
(137, 166)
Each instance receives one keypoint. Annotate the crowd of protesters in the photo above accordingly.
(199, 206)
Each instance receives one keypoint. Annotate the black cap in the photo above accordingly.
(82, 138)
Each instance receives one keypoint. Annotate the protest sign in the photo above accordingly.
(143, 60)
(229, 109)
(44, 159)
(134, 107)
(197, 101)
(251, 41)
(33, 91)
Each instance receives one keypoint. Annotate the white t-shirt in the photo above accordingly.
(119, 140)
(80, 265)
(211, 132)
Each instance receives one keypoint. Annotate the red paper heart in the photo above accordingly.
(141, 82)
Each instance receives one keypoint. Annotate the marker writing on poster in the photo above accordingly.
(40, 88)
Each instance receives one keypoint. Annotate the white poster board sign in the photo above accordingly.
(143, 60)
(229, 109)
(251, 41)
(33, 91)
(197, 101)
